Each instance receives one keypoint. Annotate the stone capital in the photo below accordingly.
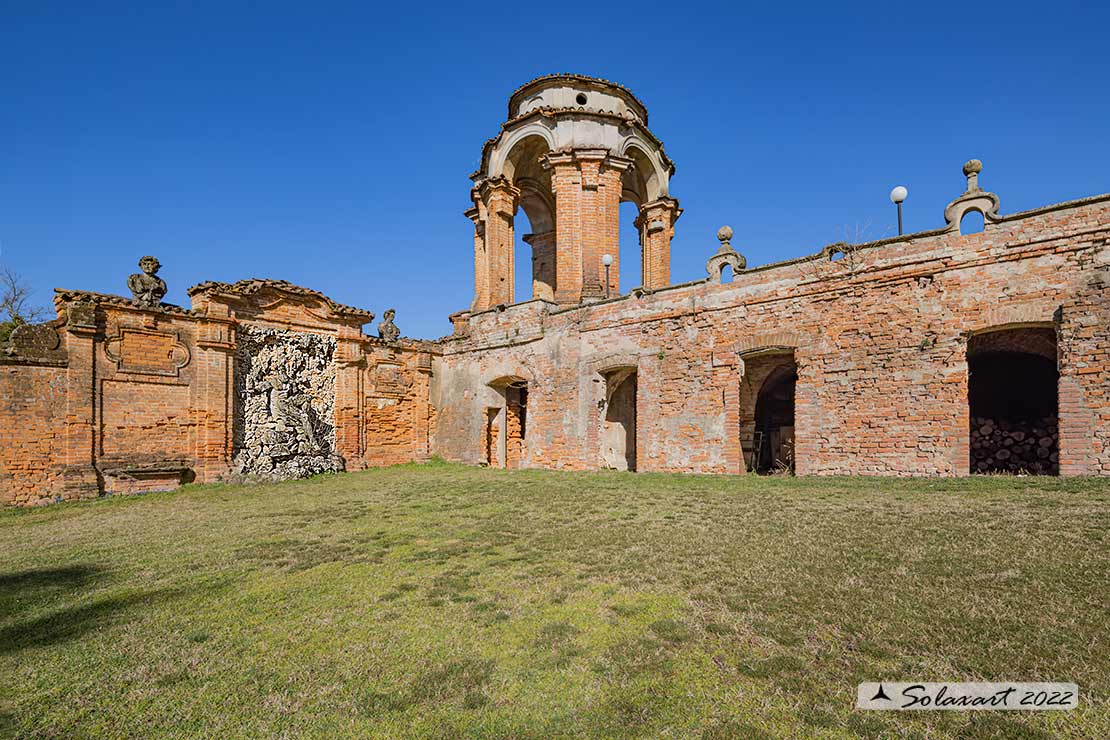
(498, 190)
(603, 157)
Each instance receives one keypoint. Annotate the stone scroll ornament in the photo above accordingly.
(147, 289)
(285, 404)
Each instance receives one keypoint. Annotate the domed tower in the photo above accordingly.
(572, 149)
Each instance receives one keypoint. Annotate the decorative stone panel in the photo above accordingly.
(285, 404)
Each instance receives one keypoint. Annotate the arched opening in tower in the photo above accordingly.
(631, 275)
(533, 221)
(1013, 401)
(523, 257)
(618, 424)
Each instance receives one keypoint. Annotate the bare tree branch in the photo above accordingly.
(15, 300)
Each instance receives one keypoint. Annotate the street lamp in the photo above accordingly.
(607, 260)
(897, 196)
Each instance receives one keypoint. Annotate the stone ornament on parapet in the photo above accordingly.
(973, 199)
(725, 256)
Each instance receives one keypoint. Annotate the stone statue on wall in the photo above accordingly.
(147, 289)
(387, 330)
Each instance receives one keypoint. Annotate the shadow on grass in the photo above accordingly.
(71, 622)
(67, 578)
(37, 588)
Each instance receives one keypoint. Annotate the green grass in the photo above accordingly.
(441, 601)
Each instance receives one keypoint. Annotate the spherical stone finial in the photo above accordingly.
(724, 234)
(973, 167)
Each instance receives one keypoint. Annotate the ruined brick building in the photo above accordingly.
(935, 353)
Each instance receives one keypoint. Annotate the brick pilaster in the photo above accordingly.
(214, 393)
(79, 475)
(350, 365)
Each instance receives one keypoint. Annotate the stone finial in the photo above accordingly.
(387, 330)
(147, 289)
(972, 168)
(725, 255)
(972, 199)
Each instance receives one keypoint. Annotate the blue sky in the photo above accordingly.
(329, 143)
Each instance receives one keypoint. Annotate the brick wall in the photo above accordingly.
(112, 397)
(32, 436)
(879, 337)
(115, 398)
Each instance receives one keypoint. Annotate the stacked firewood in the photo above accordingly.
(1001, 446)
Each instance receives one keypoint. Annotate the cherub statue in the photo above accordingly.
(387, 330)
(147, 288)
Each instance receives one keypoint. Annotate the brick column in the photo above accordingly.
(500, 200)
(587, 187)
(543, 264)
(608, 220)
(481, 257)
(591, 224)
(656, 225)
(79, 475)
(422, 411)
(214, 398)
(566, 184)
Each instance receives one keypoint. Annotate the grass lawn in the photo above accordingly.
(445, 601)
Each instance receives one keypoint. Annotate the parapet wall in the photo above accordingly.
(877, 334)
(117, 397)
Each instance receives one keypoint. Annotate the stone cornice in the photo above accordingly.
(552, 113)
(63, 296)
(598, 83)
(252, 286)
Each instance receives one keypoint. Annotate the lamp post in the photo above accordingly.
(607, 260)
(897, 196)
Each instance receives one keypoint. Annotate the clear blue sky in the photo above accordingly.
(329, 143)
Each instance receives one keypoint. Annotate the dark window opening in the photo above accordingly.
(581, 99)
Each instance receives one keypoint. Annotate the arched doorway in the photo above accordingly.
(766, 410)
(506, 424)
(774, 421)
(618, 422)
(1013, 401)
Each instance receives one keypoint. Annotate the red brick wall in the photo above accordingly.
(142, 399)
(32, 438)
(879, 337)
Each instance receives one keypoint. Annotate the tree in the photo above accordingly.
(15, 303)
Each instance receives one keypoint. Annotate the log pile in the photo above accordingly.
(1001, 446)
